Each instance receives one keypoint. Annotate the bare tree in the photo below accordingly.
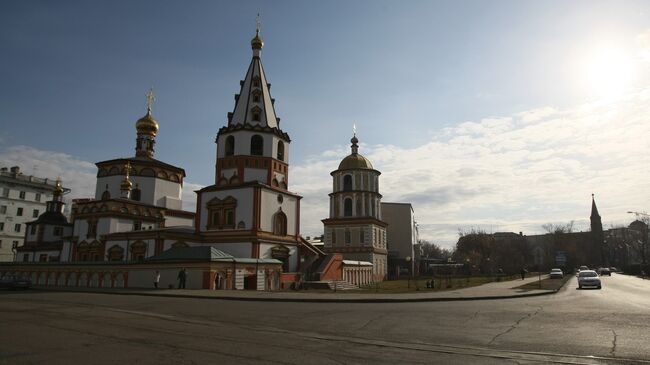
(558, 228)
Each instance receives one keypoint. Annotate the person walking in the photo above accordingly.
(156, 279)
(523, 273)
(182, 275)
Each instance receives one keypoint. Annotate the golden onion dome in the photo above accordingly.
(58, 190)
(126, 184)
(355, 161)
(257, 42)
(147, 125)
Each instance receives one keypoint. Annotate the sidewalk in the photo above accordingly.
(496, 290)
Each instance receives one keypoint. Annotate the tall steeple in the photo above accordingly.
(254, 104)
(147, 128)
(596, 222)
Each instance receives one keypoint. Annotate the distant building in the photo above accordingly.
(44, 236)
(22, 199)
(402, 238)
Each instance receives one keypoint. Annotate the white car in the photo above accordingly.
(556, 274)
(588, 278)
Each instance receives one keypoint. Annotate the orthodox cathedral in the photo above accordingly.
(245, 232)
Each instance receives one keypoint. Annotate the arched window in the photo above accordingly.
(136, 193)
(347, 207)
(347, 182)
(257, 145)
(106, 195)
(230, 145)
(280, 151)
(280, 224)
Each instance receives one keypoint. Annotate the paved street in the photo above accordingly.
(611, 325)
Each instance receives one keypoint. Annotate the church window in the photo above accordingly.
(230, 218)
(280, 151)
(35, 213)
(92, 229)
(256, 96)
(280, 224)
(37, 197)
(106, 195)
(347, 207)
(333, 236)
(347, 182)
(359, 211)
(138, 250)
(136, 193)
(257, 145)
(58, 231)
(256, 116)
(241, 225)
(115, 253)
(221, 213)
(137, 225)
(347, 236)
(230, 145)
(256, 81)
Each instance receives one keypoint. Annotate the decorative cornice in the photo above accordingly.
(253, 128)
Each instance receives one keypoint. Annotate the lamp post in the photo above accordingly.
(408, 259)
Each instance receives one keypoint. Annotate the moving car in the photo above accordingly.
(15, 282)
(556, 274)
(588, 278)
(604, 271)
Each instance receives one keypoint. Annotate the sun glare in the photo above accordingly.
(609, 72)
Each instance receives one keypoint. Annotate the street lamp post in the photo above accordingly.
(408, 283)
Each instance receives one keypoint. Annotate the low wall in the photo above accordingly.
(199, 275)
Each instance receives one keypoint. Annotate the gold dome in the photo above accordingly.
(147, 125)
(257, 42)
(355, 161)
(126, 184)
(58, 190)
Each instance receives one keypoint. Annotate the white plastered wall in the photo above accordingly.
(270, 206)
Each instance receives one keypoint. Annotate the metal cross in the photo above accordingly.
(150, 98)
(258, 23)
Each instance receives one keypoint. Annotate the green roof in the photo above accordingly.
(198, 253)
(205, 254)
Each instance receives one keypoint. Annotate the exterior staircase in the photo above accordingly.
(341, 285)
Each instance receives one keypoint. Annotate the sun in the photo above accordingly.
(609, 72)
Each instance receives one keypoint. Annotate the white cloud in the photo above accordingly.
(508, 173)
(76, 174)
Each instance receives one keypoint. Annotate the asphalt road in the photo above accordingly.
(611, 325)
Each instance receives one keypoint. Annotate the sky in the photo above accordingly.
(500, 115)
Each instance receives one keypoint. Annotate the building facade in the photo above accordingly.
(22, 199)
(355, 227)
(402, 238)
(44, 236)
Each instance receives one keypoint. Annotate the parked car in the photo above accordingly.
(604, 271)
(15, 282)
(588, 278)
(556, 274)
(613, 269)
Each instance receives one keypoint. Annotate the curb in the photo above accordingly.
(312, 300)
